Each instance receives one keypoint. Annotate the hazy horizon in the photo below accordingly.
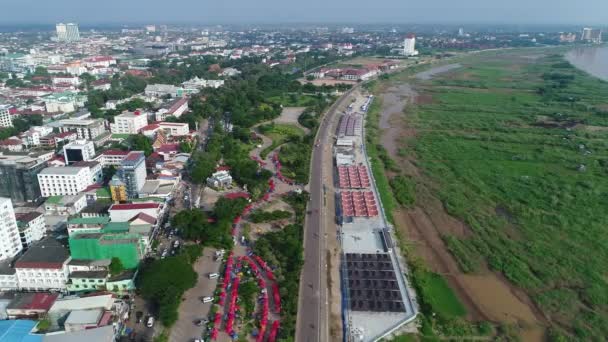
(516, 12)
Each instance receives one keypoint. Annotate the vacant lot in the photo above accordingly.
(495, 142)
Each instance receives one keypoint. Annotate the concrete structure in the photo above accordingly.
(30, 305)
(111, 157)
(10, 241)
(409, 46)
(18, 178)
(44, 266)
(79, 150)
(132, 172)
(125, 212)
(220, 179)
(592, 35)
(160, 90)
(67, 32)
(88, 129)
(174, 128)
(95, 170)
(65, 205)
(67, 180)
(32, 136)
(65, 102)
(129, 122)
(174, 108)
(31, 226)
(5, 116)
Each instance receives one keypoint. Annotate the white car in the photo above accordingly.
(150, 323)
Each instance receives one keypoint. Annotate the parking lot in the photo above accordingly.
(192, 308)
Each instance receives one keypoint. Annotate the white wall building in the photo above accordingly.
(31, 226)
(60, 181)
(174, 128)
(129, 123)
(67, 32)
(10, 242)
(409, 46)
(125, 212)
(5, 116)
(79, 150)
(32, 136)
(44, 266)
(111, 157)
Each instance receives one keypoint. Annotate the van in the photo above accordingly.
(207, 299)
(213, 275)
(150, 323)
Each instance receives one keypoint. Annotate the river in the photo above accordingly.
(593, 60)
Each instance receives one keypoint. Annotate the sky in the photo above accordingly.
(312, 11)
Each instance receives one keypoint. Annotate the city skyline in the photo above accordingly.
(314, 11)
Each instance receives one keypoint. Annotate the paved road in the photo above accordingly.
(191, 307)
(312, 321)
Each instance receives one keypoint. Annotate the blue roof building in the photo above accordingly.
(18, 331)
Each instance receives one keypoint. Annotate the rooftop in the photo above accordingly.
(18, 331)
(89, 220)
(84, 317)
(33, 301)
(63, 170)
(89, 274)
(134, 206)
(46, 253)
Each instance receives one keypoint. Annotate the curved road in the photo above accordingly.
(312, 320)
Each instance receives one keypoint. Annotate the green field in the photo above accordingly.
(279, 134)
(516, 145)
(293, 100)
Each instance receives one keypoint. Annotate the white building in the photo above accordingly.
(44, 266)
(31, 226)
(32, 136)
(60, 181)
(129, 122)
(5, 116)
(175, 108)
(88, 129)
(220, 179)
(174, 128)
(10, 242)
(409, 46)
(79, 150)
(125, 212)
(71, 80)
(111, 157)
(67, 32)
(67, 205)
(160, 90)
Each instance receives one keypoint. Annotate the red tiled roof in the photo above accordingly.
(64, 134)
(132, 206)
(168, 148)
(235, 195)
(115, 153)
(223, 168)
(150, 127)
(39, 264)
(8, 142)
(144, 217)
(40, 301)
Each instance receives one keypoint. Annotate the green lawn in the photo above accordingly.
(293, 100)
(532, 189)
(279, 134)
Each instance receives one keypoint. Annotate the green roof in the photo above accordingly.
(54, 199)
(103, 192)
(127, 247)
(116, 227)
(89, 220)
(148, 199)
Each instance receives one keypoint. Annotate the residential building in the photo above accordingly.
(160, 90)
(32, 136)
(10, 242)
(95, 170)
(52, 140)
(67, 32)
(18, 178)
(132, 172)
(118, 189)
(8, 282)
(30, 305)
(65, 102)
(12, 144)
(409, 46)
(5, 116)
(174, 108)
(79, 150)
(111, 157)
(129, 122)
(67, 180)
(125, 212)
(89, 129)
(44, 266)
(99, 61)
(174, 128)
(65, 205)
(31, 226)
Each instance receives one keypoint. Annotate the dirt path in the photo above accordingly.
(487, 295)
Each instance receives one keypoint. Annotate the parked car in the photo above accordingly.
(150, 323)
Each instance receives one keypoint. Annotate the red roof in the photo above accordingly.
(99, 59)
(14, 142)
(40, 301)
(64, 134)
(235, 195)
(115, 153)
(132, 206)
(150, 127)
(178, 103)
(168, 148)
(223, 168)
(144, 217)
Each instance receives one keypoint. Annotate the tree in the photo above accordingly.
(139, 142)
(87, 79)
(116, 266)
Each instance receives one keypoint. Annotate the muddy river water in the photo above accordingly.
(593, 60)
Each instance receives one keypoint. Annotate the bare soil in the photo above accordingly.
(486, 295)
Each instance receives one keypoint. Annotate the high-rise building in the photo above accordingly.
(67, 32)
(5, 116)
(18, 178)
(132, 172)
(409, 46)
(66, 180)
(10, 241)
(461, 32)
(592, 35)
